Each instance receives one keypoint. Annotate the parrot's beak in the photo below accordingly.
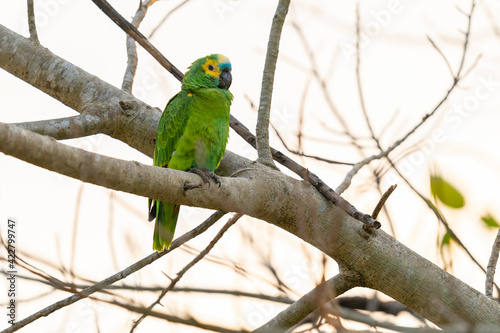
(225, 79)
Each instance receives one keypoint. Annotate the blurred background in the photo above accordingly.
(81, 233)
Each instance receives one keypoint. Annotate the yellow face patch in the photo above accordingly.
(211, 67)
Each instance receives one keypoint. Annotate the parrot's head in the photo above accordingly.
(212, 71)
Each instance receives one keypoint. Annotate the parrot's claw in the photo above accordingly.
(206, 175)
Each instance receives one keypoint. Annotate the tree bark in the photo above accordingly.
(379, 261)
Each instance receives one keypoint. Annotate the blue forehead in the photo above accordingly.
(224, 65)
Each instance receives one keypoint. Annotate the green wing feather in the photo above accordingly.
(170, 129)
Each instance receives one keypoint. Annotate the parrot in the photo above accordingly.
(192, 134)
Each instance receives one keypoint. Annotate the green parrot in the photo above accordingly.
(192, 134)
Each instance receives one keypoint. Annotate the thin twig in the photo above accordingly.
(440, 218)
(74, 234)
(492, 263)
(164, 19)
(118, 276)
(262, 129)
(138, 37)
(128, 77)
(31, 22)
(358, 74)
(308, 303)
(385, 153)
(298, 153)
(324, 87)
(299, 135)
(66, 286)
(308, 176)
(434, 45)
(302, 107)
(173, 319)
(193, 262)
(382, 200)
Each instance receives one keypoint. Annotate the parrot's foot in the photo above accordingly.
(206, 175)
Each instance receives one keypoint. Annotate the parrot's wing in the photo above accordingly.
(171, 127)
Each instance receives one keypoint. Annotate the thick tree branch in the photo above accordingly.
(262, 130)
(382, 262)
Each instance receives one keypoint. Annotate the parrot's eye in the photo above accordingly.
(211, 67)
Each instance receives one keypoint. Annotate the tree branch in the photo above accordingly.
(128, 77)
(122, 113)
(262, 129)
(139, 37)
(260, 192)
(492, 263)
(66, 128)
(301, 308)
(193, 262)
(118, 276)
(274, 197)
(31, 22)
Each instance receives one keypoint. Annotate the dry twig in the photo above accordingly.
(492, 263)
(31, 22)
(200, 256)
(382, 200)
(262, 129)
(118, 276)
(128, 77)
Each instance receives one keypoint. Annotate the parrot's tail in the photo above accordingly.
(166, 219)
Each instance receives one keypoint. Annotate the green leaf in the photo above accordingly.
(446, 239)
(490, 221)
(446, 193)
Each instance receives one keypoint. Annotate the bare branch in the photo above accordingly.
(138, 37)
(358, 75)
(301, 308)
(434, 45)
(324, 87)
(441, 219)
(262, 129)
(310, 177)
(128, 78)
(66, 128)
(174, 319)
(164, 19)
(31, 22)
(382, 200)
(118, 276)
(81, 91)
(492, 263)
(298, 153)
(193, 262)
(385, 153)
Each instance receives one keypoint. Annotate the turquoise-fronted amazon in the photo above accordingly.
(192, 134)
